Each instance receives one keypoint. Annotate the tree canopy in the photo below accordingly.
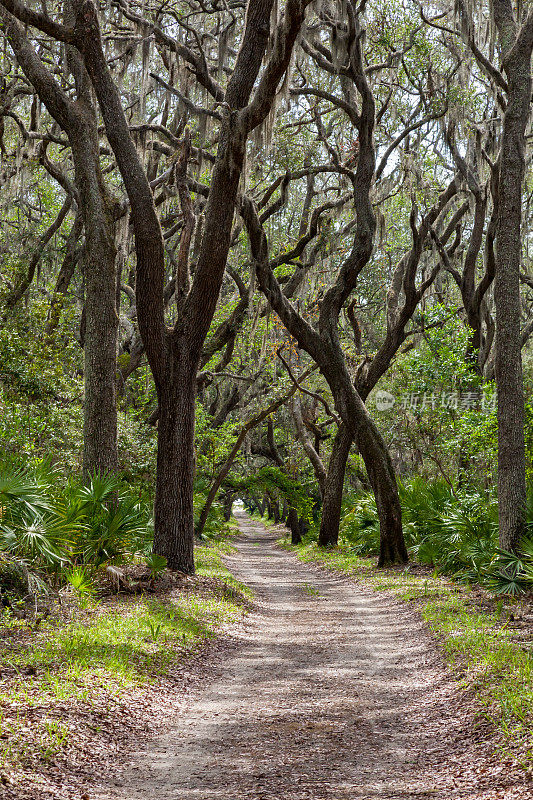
(270, 251)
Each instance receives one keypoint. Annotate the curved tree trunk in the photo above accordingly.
(377, 460)
(392, 549)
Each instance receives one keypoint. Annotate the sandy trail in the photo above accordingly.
(334, 693)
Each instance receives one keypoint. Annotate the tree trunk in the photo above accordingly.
(101, 318)
(378, 464)
(228, 506)
(332, 504)
(516, 49)
(293, 524)
(78, 119)
(173, 509)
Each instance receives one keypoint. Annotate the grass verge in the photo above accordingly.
(482, 638)
(82, 681)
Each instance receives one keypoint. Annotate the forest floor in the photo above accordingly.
(86, 684)
(329, 691)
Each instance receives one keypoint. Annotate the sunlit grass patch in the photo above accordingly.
(209, 563)
(67, 673)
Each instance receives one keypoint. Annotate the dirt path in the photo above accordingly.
(333, 694)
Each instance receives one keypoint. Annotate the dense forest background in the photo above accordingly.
(279, 254)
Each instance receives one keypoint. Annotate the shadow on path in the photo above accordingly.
(334, 693)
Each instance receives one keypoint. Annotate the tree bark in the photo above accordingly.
(228, 506)
(79, 121)
(334, 487)
(293, 524)
(516, 47)
(378, 464)
(101, 318)
(173, 507)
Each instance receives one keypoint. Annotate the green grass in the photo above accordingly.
(478, 641)
(105, 652)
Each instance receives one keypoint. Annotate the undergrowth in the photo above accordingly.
(91, 662)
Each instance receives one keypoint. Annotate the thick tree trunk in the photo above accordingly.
(516, 49)
(380, 471)
(101, 332)
(173, 509)
(377, 460)
(78, 119)
(101, 318)
(334, 486)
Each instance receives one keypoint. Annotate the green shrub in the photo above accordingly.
(454, 532)
(57, 527)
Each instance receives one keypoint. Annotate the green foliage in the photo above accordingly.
(113, 522)
(156, 564)
(81, 581)
(360, 525)
(274, 481)
(443, 412)
(454, 532)
(215, 526)
(68, 530)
